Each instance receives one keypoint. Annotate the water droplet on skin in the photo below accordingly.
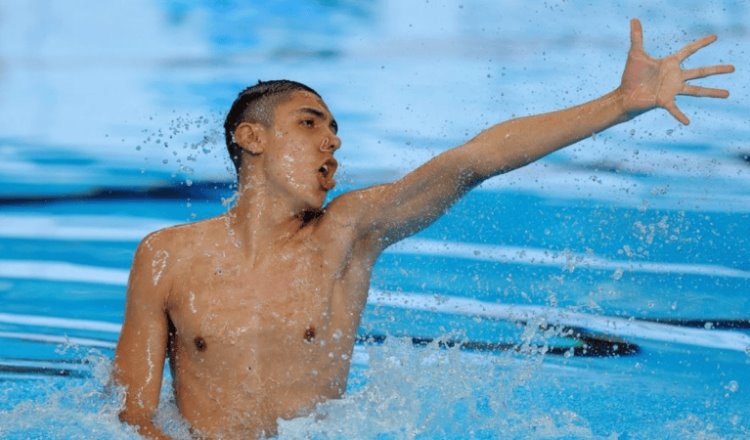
(158, 265)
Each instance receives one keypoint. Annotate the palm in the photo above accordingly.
(648, 82)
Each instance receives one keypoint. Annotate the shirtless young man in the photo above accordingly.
(258, 308)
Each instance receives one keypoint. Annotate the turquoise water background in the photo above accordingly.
(110, 127)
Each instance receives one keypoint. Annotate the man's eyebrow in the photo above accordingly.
(322, 115)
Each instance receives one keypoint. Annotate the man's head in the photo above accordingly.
(257, 104)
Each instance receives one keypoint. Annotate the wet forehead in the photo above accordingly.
(301, 101)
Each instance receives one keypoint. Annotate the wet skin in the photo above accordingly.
(257, 309)
(254, 342)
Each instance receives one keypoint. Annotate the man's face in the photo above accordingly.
(301, 143)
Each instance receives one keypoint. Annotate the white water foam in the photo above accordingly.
(434, 393)
(408, 393)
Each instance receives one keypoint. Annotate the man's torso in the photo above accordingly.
(254, 342)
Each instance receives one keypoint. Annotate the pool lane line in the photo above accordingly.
(542, 315)
(58, 339)
(65, 228)
(554, 258)
(197, 190)
(46, 367)
(707, 324)
(79, 368)
(511, 255)
(80, 227)
(54, 322)
(62, 271)
(585, 344)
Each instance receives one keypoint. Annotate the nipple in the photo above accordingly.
(310, 334)
(200, 343)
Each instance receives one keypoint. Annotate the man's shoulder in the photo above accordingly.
(172, 249)
(174, 238)
(352, 210)
(355, 203)
(346, 216)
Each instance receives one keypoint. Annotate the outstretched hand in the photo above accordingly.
(648, 82)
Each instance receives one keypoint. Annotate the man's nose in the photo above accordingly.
(330, 143)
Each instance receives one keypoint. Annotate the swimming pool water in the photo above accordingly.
(599, 293)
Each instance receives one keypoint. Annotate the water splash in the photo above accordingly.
(82, 407)
(64, 408)
(397, 391)
(431, 392)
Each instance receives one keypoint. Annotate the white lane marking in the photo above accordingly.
(604, 324)
(65, 340)
(79, 227)
(566, 260)
(90, 228)
(61, 271)
(68, 323)
(543, 257)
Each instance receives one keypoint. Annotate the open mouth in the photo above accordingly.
(326, 172)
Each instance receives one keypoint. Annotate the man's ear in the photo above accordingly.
(250, 136)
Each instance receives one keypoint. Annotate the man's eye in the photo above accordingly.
(308, 123)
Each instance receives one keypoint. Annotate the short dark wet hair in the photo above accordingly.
(257, 104)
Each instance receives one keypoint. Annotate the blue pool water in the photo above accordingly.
(603, 292)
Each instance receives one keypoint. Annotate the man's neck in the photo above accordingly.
(262, 219)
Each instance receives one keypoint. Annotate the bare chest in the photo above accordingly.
(219, 298)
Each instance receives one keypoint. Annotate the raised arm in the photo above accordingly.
(141, 350)
(400, 209)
